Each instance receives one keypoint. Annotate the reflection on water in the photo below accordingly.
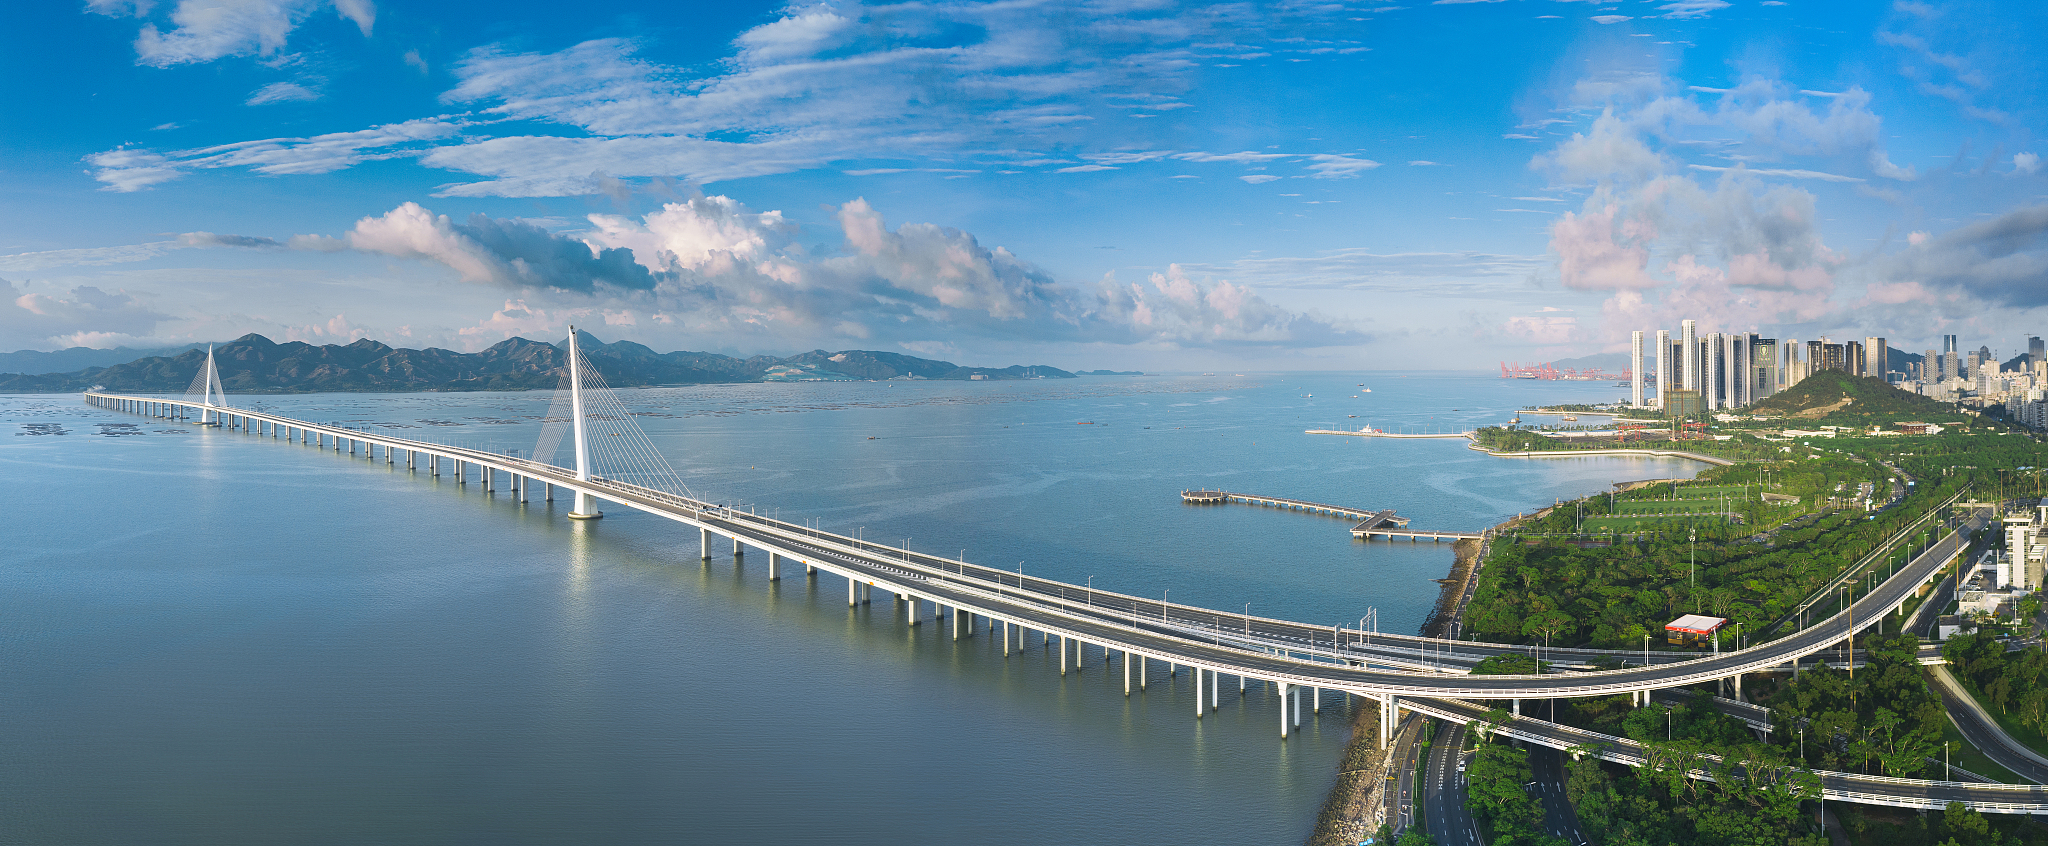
(212, 637)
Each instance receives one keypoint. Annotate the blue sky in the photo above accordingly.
(1307, 185)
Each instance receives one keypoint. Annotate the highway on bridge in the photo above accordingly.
(1290, 655)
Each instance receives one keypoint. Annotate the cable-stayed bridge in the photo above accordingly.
(609, 460)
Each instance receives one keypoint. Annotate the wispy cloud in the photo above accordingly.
(205, 30)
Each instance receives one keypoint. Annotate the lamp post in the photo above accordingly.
(1091, 591)
(1162, 604)
(1247, 619)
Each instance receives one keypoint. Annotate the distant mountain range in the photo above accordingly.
(255, 364)
(37, 362)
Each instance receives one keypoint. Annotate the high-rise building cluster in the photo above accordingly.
(1687, 373)
(1698, 374)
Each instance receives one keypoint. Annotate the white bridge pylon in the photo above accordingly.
(605, 441)
(205, 389)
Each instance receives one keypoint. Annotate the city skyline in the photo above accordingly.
(1334, 188)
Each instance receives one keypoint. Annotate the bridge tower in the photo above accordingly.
(584, 509)
(206, 391)
(207, 385)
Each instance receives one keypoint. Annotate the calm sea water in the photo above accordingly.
(209, 637)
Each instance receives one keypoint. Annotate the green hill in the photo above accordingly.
(1837, 398)
(257, 364)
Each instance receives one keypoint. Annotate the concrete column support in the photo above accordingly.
(737, 550)
(1518, 707)
(1283, 709)
(1127, 672)
(1316, 700)
(1142, 677)
(912, 606)
(810, 570)
(774, 567)
(1215, 681)
(1199, 709)
(1297, 706)
(1063, 654)
(704, 545)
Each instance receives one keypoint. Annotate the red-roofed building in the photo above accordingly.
(1693, 630)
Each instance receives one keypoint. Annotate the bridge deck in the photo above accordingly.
(1285, 653)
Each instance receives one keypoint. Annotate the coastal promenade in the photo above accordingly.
(1585, 453)
(1299, 660)
(1373, 433)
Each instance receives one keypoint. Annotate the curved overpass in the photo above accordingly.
(1290, 655)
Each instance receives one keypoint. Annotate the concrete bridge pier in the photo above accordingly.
(1063, 653)
(1215, 681)
(1316, 700)
(1389, 710)
(1283, 709)
(737, 549)
(774, 567)
(1201, 707)
(1127, 672)
(704, 546)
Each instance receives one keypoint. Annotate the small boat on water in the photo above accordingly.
(1570, 419)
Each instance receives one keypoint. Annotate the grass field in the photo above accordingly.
(1667, 508)
(1631, 523)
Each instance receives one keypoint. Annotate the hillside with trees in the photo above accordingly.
(1836, 398)
(256, 364)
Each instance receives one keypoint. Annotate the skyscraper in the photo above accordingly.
(1738, 371)
(1635, 368)
(2035, 351)
(1691, 364)
(1852, 359)
(1877, 358)
(1951, 364)
(1710, 384)
(1663, 364)
(1764, 353)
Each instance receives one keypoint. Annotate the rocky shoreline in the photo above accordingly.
(1350, 813)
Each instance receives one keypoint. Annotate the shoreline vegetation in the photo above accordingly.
(1346, 816)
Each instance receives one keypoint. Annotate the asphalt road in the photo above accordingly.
(1443, 790)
